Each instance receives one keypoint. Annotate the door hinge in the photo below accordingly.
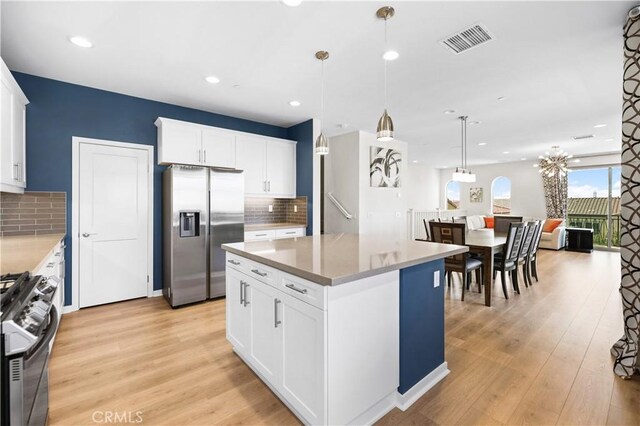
(147, 279)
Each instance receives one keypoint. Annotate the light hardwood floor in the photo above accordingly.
(538, 358)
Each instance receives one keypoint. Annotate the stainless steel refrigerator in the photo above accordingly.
(202, 209)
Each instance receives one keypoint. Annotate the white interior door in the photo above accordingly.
(113, 223)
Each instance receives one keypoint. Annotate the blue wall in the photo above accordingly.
(303, 133)
(58, 111)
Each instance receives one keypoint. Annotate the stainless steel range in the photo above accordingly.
(28, 323)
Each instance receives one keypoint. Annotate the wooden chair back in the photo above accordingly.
(536, 238)
(426, 230)
(527, 240)
(450, 233)
(501, 223)
(515, 233)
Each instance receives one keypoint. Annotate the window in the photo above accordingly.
(501, 196)
(452, 189)
(594, 202)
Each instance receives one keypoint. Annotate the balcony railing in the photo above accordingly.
(600, 226)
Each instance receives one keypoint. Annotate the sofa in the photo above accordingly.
(556, 239)
(476, 223)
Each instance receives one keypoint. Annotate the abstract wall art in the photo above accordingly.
(384, 167)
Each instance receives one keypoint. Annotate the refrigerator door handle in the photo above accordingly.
(205, 155)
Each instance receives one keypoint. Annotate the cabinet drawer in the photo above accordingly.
(290, 233)
(312, 293)
(260, 235)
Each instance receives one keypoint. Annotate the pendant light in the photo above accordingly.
(384, 131)
(462, 173)
(322, 144)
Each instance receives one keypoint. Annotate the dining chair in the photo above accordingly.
(507, 261)
(525, 249)
(426, 230)
(455, 233)
(501, 223)
(532, 263)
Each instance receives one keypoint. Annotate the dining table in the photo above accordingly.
(487, 243)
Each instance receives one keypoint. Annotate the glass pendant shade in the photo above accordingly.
(322, 145)
(385, 128)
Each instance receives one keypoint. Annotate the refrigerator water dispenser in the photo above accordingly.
(189, 224)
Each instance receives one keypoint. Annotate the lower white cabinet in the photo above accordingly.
(277, 234)
(330, 353)
(282, 338)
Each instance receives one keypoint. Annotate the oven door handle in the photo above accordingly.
(51, 331)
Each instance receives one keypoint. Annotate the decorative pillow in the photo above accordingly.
(488, 222)
(551, 224)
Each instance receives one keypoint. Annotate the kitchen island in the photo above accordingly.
(342, 327)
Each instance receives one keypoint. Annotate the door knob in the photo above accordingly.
(88, 234)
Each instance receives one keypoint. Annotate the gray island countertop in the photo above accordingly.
(339, 258)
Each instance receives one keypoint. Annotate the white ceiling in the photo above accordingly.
(559, 65)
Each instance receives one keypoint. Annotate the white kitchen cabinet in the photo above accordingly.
(303, 358)
(265, 329)
(281, 168)
(218, 148)
(12, 133)
(251, 156)
(180, 142)
(238, 314)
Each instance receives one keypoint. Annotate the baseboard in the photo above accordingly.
(69, 308)
(377, 411)
(156, 293)
(405, 400)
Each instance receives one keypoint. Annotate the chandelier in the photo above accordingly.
(554, 163)
(462, 173)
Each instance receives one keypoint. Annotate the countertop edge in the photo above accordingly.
(319, 279)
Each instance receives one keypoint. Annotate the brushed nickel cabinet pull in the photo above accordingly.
(294, 288)
(233, 262)
(242, 283)
(262, 274)
(276, 321)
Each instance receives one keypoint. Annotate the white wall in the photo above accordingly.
(527, 191)
(377, 211)
(423, 187)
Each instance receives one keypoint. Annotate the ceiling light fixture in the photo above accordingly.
(523, 159)
(502, 98)
(450, 111)
(80, 41)
(294, 103)
(462, 173)
(609, 140)
(384, 131)
(473, 123)
(292, 3)
(505, 152)
(322, 144)
(554, 163)
(482, 144)
(599, 126)
(390, 55)
(212, 79)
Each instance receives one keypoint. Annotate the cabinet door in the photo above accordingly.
(281, 168)
(180, 144)
(237, 311)
(7, 168)
(265, 332)
(303, 358)
(251, 157)
(18, 148)
(218, 149)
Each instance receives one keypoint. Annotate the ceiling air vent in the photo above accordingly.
(468, 38)
(579, 138)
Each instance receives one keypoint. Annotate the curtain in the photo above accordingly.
(555, 194)
(626, 349)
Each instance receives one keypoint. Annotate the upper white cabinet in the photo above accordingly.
(180, 142)
(13, 174)
(269, 164)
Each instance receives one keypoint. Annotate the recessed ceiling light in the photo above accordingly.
(390, 55)
(502, 98)
(535, 165)
(609, 140)
(523, 159)
(80, 41)
(505, 152)
(292, 3)
(450, 111)
(414, 161)
(598, 126)
(482, 144)
(294, 103)
(473, 123)
(577, 160)
(213, 79)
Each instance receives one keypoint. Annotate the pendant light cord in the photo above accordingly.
(385, 65)
(321, 95)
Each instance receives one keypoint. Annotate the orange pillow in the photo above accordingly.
(488, 222)
(551, 224)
